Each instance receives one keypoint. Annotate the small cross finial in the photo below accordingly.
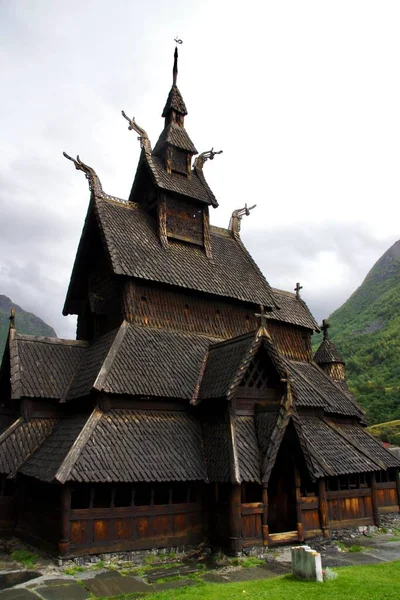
(12, 318)
(262, 316)
(324, 328)
(297, 289)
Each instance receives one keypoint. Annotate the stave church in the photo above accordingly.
(190, 407)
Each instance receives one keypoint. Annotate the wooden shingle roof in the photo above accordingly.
(142, 361)
(134, 250)
(21, 439)
(175, 102)
(313, 388)
(42, 367)
(176, 136)
(327, 353)
(121, 445)
(338, 453)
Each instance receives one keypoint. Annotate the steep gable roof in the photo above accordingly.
(327, 353)
(134, 250)
(227, 362)
(41, 367)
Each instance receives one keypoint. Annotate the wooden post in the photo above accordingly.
(398, 485)
(297, 482)
(65, 505)
(323, 507)
(374, 499)
(265, 528)
(235, 518)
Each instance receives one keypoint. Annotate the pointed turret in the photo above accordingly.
(174, 145)
(328, 356)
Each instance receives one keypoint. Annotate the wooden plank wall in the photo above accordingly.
(349, 506)
(387, 497)
(252, 523)
(135, 527)
(148, 305)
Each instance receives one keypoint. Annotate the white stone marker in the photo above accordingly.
(306, 563)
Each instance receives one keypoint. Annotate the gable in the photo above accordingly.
(261, 379)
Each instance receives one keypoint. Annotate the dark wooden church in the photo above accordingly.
(190, 407)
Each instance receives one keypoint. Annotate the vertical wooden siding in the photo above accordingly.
(133, 528)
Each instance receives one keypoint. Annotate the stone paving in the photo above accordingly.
(105, 583)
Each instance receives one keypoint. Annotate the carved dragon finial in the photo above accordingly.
(143, 137)
(12, 318)
(201, 158)
(237, 215)
(90, 174)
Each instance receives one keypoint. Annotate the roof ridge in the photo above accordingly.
(284, 292)
(233, 340)
(80, 442)
(187, 334)
(11, 428)
(106, 367)
(55, 421)
(15, 376)
(221, 231)
(24, 337)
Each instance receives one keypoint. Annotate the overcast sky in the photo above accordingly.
(303, 97)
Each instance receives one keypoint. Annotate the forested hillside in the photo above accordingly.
(25, 322)
(366, 329)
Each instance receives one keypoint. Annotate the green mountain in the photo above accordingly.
(366, 329)
(25, 322)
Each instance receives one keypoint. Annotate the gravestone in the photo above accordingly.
(306, 563)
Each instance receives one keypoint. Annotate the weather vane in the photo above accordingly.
(178, 41)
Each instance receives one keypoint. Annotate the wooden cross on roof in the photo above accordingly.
(297, 289)
(324, 328)
(262, 315)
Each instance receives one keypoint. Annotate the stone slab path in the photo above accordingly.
(107, 583)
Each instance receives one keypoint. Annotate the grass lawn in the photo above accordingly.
(368, 582)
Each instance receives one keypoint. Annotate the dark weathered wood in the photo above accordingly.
(265, 527)
(283, 538)
(360, 493)
(389, 509)
(299, 513)
(343, 523)
(235, 518)
(398, 485)
(374, 498)
(323, 507)
(65, 514)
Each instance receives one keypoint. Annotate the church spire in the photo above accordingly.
(175, 108)
(175, 69)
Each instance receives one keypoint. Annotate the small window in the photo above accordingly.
(179, 493)
(123, 495)
(102, 497)
(80, 497)
(194, 494)
(186, 310)
(143, 495)
(161, 494)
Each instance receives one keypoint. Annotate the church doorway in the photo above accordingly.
(282, 509)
